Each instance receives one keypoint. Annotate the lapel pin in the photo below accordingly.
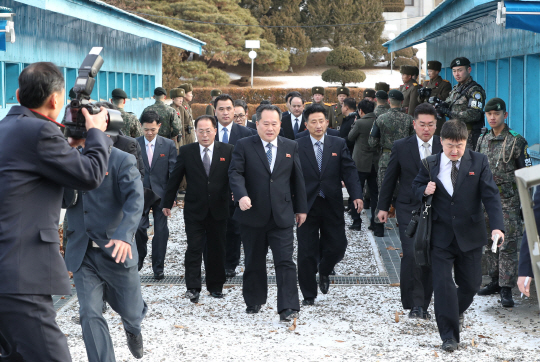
(471, 173)
(334, 154)
(107, 173)
(222, 159)
(288, 155)
(162, 155)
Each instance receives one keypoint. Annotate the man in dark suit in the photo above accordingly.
(159, 155)
(241, 115)
(326, 161)
(230, 132)
(328, 132)
(205, 165)
(525, 269)
(267, 182)
(294, 122)
(102, 255)
(461, 182)
(288, 97)
(405, 161)
(36, 163)
(350, 115)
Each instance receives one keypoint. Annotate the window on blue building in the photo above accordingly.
(12, 82)
(127, 84)
(146, 86)
(102, 86)
(71, 76)
(140, 85)
(152, 84)
(112, 83)
(120, 81)
(134, 86)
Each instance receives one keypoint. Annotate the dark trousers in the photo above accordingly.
(234, 241)
(159, 241)
(324, 229)
(415, 281)
(256, 241)
(27, 322)
(371, 178)
(100, 276)
(450, 301)
(212, 233)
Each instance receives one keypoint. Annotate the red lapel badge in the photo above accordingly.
(471, 173)
(162, 155)
(222, 159)
(288, 155)
(334, 154)
(107, 173)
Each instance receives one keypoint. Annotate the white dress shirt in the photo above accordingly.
(221, 132)
(421, 148)
(445, 172)
(274, 152)
(293, 121)
(315, 148)
(210, 151)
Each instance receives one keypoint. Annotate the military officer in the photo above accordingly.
(170, 123)
(132, 126)
(409, 89)
(369, 94)
(210, 110)
(382, 86)
(466, 100)
(440, 88)
(189, 129)
(506, 151)
(318, 97)
(382, 103)
(342, 93)
(177, 97)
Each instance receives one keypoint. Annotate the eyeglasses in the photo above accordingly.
(236, 116)
(203, 132)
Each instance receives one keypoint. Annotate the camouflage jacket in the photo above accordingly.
(390, 127)
(329, 112)
(440, 88)
(506, 153)
(381, 109)
(170, 123)
(467, 103)
(132, 126)
(410, 96)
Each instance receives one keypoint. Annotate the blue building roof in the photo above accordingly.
(100, 13)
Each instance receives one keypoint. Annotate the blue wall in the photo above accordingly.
(43, 35)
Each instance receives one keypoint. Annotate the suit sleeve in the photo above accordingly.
(172, 156)
(60, 162)
(489, 193)
(237, 181)
(131, 192)
(175, 179)
(349, 174)
(355, 131)
(525, 262)
(393, 171)
(420, 182)
(298, 185)
(140, 162)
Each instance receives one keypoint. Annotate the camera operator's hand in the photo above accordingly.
(98, 121)
(75, 142)
(121, 250)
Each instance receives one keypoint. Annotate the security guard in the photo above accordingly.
(506, 151)
(210, 110)
(342, 93)
(189, 129)
(318, 97)
(466, 100)
(382, 86)
(177, 97)
(170, 123)
(409, 88)
(132, 126)
(382, 103)
(369, 94)
(437, 86)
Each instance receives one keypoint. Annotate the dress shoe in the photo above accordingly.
(449, 345)
(288, 315)
(308, 301)
(333, 272)
(506, 297)
(230, 273)
(218, 295)
(252, 309)
(461, 322)
(426, 315)
(193, 295)
(370, 227)
(104, 307)
(379, 231)
(356, 225)
(416, 312)
(324, 283)
(491, 288)
(135, 344)
(159, 276)
(183, 192)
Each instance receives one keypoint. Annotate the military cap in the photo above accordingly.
(119, 93)
(343, 90)
(381, 94)
(434, 65)
(460, 62)
(72, 94)
(382, 86)
(187, 87)
(495, 104)
(368, 92)
(317, 90)
(215, 93)
(160, 91)
(177, 92)
(395, 94)
(409, 70)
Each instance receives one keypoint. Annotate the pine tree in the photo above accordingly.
(347, 60)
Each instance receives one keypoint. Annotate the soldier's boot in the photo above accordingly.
(490, 288)
(506, 297)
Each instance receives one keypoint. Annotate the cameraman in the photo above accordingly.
(36, 163)
(436, 86)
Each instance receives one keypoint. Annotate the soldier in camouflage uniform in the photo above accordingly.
(189, 129)
(437, 87)
(342, 93)
(409, 88)
(390, 127)
(210, 110)
(506, 151)
(318, 97)
(170, 123)
(382, 103)
(132, 126)
(466, 100)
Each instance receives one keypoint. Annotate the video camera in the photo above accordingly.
(74, 121)
(424, 92)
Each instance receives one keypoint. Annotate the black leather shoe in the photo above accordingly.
(426, 315)
(490, 288)
(218, 295)
(230, 273)
(356, 227)
(461, 322)
(378, 231)
(288, 315)
(135, 344)
(449, 345)
(308, 301)
(159, 276)
(104, 307)
(506, 297)
(416, 312)
(333, 272)
(324, 283)
(193, 295)
(252, 309)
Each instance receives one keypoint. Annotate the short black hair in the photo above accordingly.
(267, 107)
(454, 130)
(150, 117)
(315, 108)
(265, 102)
(207, 117)
(291, 95)
(424, 108)
(298, 95)
(241, 103)
(223, 97)
(366, 106)
(350, 103)
(37, 82)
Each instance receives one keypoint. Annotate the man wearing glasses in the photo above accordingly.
(241, 115)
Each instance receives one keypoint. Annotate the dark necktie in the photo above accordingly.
(206, 161)
(269, 155)
(319, 162)
(295, 129)
(453, 174)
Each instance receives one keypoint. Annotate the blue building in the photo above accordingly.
(506, 62)
(64, 31)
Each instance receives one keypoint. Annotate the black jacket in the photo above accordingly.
(345, 129)
(286, 126)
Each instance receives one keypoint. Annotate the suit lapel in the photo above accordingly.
(215, 158)
(143, 151)
(327, 153)
(258, 146)
(234, 134)
(198, 160)
(413, 147)
(464, 167)
(435, 174)
(280, 153)
(437, 147)
(287, 126)
(310, 152)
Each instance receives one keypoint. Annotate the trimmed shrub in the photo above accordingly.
(398, 62)
(336, 75)
(346, 58)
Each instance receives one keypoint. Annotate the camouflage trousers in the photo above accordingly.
(503, 265)
(383, 164)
